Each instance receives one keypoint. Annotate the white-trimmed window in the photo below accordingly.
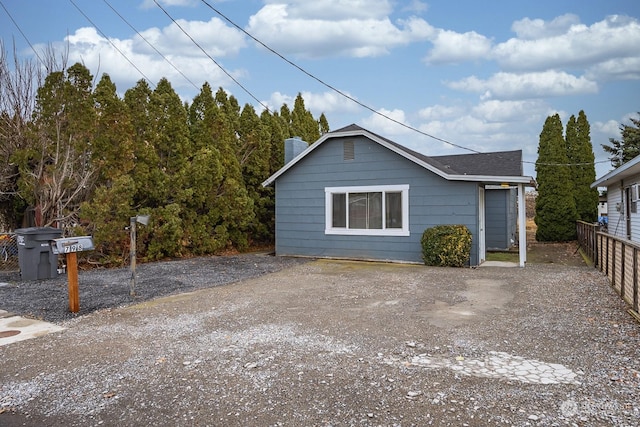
(381, 210)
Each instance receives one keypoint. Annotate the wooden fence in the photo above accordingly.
(618, 258)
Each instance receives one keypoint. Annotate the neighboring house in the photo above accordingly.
(623, 196)
(602, 206)
(357, 195)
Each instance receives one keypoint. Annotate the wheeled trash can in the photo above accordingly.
(35, 256)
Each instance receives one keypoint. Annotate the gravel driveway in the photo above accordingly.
(330, 343)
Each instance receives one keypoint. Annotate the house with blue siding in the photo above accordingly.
(354, 194)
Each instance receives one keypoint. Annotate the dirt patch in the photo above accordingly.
(555, 253)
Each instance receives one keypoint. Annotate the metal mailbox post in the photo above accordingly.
(69, 246)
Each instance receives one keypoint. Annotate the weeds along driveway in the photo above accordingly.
(342, 343)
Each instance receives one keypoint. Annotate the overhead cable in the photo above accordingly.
(21, 32)
(112, 43)
(363, 105)
(151, 45)
(211, 58)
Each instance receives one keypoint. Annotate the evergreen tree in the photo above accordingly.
(170, 133)
(147, 176)
(227, 209)
(302, 122)
(277, 135)
(324, 124)
(203, 231)
(255, 156)
(628, 147)
(110, 206)
(113, 138)
(56, 172)
(583, 172)
(555, 206)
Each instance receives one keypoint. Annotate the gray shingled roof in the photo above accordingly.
(499, 163)
(497, 167)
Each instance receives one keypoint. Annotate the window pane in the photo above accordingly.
(339, 210)
(375, 210)
(393, 210)
(358, 210)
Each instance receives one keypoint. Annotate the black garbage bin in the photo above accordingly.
(37, 260)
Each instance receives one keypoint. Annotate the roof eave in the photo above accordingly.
(362, 132)
(508, 179)
(619, 173)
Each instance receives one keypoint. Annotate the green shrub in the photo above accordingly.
(446, 245)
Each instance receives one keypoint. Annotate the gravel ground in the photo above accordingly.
(109, 288)
(327, 343)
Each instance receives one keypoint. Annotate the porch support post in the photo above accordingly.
(522, 226)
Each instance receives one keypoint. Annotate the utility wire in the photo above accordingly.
(21, 32)
(151, 45)
(211, 58)
(338, 91)
(347, 96)
(112, 43)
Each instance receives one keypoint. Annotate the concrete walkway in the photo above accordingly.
(16, 328)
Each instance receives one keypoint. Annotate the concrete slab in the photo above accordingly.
(499, 264)
(16, 328)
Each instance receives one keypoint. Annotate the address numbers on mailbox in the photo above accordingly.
(68, 245)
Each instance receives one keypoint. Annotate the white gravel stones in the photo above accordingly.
(503, 365)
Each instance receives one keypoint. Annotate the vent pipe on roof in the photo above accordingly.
(293, 147)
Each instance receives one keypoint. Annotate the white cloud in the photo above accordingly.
(528, 85)
(452, 47)
(531, 29)
(317, 103)
(379, 124)
(115, 57)
(439, 112)
(148, 4)
(291, 29)
(511, 111)
(610, 128)
(416, 6)
(216, 38)
(613, 38)
(616, 69)
(334, 9)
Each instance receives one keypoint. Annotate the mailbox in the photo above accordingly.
(69, 245)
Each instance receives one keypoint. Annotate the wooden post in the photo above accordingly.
(72, 276)
(132, 256)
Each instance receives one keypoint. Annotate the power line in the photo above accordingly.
(21, 32)
(211, 58)
(338, 91)
(347, 96)
(151, 45)
(112, 44)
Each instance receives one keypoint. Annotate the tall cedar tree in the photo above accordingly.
(626, 148)
(147, 176)
(56, 172)
(555, 206)
(302, 122)
(254, 153)
(197, 170)
(109, 208)
(205, 232)
(582, 164)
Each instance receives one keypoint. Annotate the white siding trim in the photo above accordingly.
(328, 211)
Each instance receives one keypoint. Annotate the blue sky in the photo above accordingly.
(481, 75)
